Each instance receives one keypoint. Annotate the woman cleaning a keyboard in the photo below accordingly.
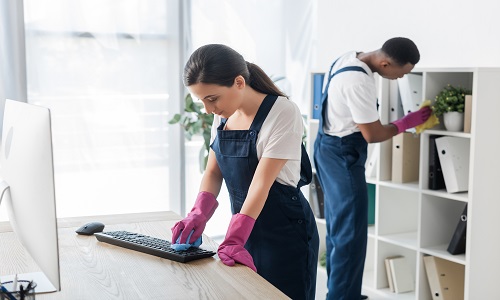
(257, 150)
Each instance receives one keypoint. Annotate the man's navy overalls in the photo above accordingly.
(284, 241)
(340, 166)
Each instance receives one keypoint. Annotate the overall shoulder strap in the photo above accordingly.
(324, 95)
(330, 76)
(262, 112)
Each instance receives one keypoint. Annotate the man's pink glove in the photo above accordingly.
(413, 119)
(232, 248)
(196, 220)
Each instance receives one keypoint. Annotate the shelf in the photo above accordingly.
(413, 220)
(405, 239)
(447, 133)
(409, 186)
(440, 251)
(386, 294)
(464, 196)
(371, 231)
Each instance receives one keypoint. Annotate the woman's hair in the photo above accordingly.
(402, 50)
(220, 64)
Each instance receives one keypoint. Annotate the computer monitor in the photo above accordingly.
(27, 189)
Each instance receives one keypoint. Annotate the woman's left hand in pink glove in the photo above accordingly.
(232, 250)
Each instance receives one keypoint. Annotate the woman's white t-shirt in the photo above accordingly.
(280, 137)
(352, 98)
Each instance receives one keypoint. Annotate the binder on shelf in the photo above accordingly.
(388, 271)
(410, 89)
(458, 240)
(371, 162)
(446, 278)
(316, 197)
(401, 275)
(467, 113)
(395, 106)
(436, 179)
(453, 155)
(316, 90)
(405, 157)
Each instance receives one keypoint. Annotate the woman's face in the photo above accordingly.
(217, 99)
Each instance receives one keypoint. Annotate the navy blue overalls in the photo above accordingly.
(284, 241)
(340, 166)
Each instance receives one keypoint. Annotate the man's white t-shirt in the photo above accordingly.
(352, 98)
(280, 137)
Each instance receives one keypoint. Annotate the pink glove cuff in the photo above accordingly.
(196, 220)
(205, 204)
(240, 228)
(400, 125)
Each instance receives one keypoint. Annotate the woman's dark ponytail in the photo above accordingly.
(220, 64)
(260, 82)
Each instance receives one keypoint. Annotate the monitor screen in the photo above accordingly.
(28, 193)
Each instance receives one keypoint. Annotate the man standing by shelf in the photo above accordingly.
(349, 120)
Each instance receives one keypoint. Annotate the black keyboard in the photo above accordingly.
(151, 245)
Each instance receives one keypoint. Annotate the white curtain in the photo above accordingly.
(107, 72)
(12, 53)
(12, 59)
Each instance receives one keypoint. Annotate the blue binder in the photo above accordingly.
(317, 90)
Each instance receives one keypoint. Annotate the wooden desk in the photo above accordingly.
(95, 270)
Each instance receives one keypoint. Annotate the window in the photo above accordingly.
(104, 69)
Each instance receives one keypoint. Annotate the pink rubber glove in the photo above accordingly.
(413, 119)
(196, 220)
(232, 248)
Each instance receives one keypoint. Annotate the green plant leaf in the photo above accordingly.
(175, 119)
(449, 99)
(195, 121)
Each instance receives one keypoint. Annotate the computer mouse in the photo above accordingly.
(90, 228)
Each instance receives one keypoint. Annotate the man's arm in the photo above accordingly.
(375, 132)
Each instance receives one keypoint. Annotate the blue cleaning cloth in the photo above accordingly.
(182, 247)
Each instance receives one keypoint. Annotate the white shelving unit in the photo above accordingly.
(414, 221)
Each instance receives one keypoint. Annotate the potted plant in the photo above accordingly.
(196, 121)
(450, 103)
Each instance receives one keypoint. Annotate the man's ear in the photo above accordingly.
(384, 63)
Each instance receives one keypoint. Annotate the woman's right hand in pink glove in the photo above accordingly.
(413, 119)
(196, 220)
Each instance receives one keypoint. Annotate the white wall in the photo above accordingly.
(448, 33)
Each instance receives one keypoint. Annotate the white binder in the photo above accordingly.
(410, 90)
(401, 275)
(453, 155)
(371, 161)
(395, 105)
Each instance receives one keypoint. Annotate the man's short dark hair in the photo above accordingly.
(402, 50)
